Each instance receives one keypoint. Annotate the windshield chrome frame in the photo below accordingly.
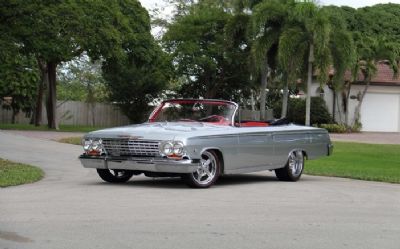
(159, 107)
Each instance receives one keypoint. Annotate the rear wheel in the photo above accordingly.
(115, 175)
(293, 168)
(207, 173)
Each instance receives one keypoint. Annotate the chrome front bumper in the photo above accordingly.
(141, 164)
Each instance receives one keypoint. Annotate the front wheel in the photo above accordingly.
(207, 173)
(293, 168)
(115, 175)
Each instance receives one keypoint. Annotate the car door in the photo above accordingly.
(255, 150)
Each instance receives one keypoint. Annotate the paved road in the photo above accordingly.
(72, 208)
(368, 137)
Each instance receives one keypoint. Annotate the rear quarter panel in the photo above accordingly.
(237, 146)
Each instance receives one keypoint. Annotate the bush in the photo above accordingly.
(334, 128)
(356, 127)
(297, 111)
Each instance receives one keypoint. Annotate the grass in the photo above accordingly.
(64, 128)
(371, 162)
(12, 174)
(71, 140)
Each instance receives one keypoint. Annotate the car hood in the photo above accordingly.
(156, 131)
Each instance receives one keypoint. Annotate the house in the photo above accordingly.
(380, 110)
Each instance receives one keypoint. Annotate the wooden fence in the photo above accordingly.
(76, 113)
(97, 114)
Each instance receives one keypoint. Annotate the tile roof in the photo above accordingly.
(383, 76)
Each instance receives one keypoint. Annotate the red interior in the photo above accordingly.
(253, 124)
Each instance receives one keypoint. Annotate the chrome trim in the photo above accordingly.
(141, 164)
(199, 100)
(131, 147)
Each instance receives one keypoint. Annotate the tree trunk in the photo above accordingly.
(14, 115)
(44, 79)
(90, 99)
(285, 99)
(51, 98)
(211, 91)
(345, 103)
(338, 109)
(93, 109)
(334, 106)
(253, 102)
(263, 87)
(357, 111)
(309, 82)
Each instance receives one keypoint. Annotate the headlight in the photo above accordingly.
(167, 149)
(172, 148)
(97, 145)
(86, 143)
(178, 148)
(93, 146)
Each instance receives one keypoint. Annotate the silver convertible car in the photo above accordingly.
(200, 140)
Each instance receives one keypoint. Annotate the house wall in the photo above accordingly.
(380, 110)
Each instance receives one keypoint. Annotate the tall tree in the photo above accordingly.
(135, 81)
(210, 62)
(342, 49)
(374, 31)
(309, 36)
(381, 20)
(57, 31)
(370, 53)
(18, 79)
(267, 24)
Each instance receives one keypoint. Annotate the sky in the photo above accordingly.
(149, 4)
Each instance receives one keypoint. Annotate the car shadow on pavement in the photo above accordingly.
(177, 183)
(241, 179)
(165, 182)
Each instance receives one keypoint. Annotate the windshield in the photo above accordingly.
(216, 112)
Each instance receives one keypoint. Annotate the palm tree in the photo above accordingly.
(291, 53)
(314, 27)
(342, 49)
(267, 22)
(370, 53)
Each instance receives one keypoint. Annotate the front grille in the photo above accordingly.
(129, 147)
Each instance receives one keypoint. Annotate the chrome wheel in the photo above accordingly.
(207, 172)
(293, 168)
(296, 163)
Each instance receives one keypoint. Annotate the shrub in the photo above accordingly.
(297, 111)
(356, 127)
(334, 128)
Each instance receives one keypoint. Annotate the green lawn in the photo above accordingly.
(12, 174)
(371, 162)
(71, 140)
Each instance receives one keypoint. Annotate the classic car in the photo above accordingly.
(200, 140)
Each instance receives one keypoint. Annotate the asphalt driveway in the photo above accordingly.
(72, 208)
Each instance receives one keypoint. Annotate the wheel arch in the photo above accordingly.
(220, 155)
(305, 155)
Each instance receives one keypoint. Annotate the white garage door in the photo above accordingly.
(380, 112)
